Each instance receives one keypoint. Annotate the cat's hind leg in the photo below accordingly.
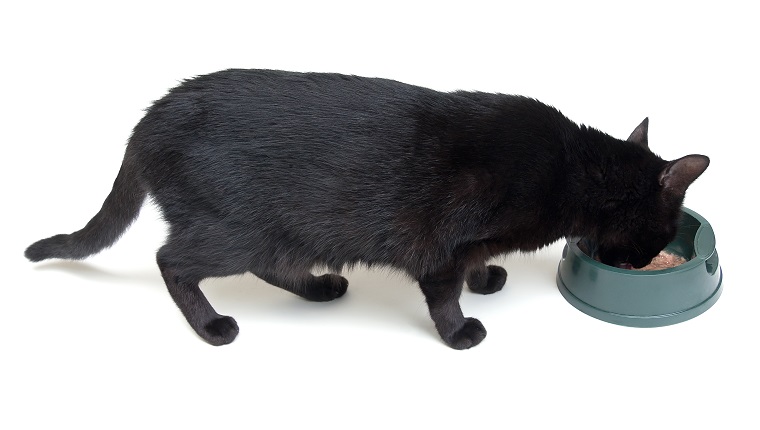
(314, 288)
(182, 279)
(486, 279)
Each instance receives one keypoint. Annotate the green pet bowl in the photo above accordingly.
(646, 298)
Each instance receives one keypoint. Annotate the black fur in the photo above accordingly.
(276, 172)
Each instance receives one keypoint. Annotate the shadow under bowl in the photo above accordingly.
(646, 298)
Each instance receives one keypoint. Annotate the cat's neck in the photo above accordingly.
(605, 175)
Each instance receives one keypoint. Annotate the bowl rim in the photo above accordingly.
(704, 248)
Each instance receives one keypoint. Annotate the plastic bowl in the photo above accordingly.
(647, 298)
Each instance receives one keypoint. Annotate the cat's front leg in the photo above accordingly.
(442, 291)
(486, 279)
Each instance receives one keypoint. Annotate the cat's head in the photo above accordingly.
(641, 213)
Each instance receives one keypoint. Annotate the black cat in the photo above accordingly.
(275, 173)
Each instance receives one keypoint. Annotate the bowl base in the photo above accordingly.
(638, 320)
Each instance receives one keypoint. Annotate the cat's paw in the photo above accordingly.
(327, 287)
(220, 331)
(489, 281)
(469, 335)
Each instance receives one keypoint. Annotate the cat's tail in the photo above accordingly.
(120, 208)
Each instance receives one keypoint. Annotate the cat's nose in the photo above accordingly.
(627, 266)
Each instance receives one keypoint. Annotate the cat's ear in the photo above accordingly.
(677, 175)
(639, 135)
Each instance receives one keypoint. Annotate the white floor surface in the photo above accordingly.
(99, 344)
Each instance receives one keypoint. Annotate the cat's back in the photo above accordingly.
(254, 110)
(293, 137)
(261, 91)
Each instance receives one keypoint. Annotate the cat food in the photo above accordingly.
(664, 260)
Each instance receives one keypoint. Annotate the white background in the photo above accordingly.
(100, 344)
